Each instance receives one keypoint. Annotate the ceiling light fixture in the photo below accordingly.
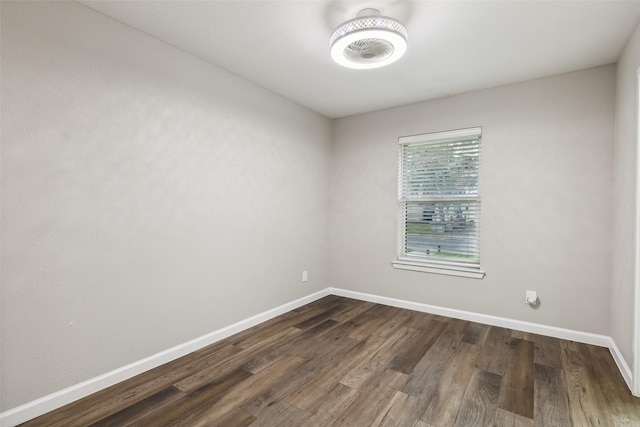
(368, 41)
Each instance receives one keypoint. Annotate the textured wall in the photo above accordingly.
(148, 198)
(546, 174)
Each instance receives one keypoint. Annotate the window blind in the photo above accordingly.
(439, 197)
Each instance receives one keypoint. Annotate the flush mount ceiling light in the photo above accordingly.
(368, 41)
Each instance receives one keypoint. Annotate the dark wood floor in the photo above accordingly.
(342, 362)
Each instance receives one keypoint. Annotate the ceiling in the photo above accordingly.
(454, 46)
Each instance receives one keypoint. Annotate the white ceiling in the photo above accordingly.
(454, 46)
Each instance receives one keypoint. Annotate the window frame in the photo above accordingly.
(429, 265)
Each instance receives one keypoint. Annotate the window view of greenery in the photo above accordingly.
(440, 199)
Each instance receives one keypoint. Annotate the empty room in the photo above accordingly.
(319, 213)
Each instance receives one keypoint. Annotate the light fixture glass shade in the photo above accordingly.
(368, 42)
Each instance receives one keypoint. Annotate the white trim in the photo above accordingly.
(536, 328)
(621, 363)
(448, 270)
(426, 137)
(519, 325)
(636, 308)
(55, 400)
(35, 408)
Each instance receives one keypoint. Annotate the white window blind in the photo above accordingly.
(439, 198)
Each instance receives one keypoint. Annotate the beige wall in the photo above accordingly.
(148, 198)
(546, 179)
(624, 195)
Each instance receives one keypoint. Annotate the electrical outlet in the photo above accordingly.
(305, 276)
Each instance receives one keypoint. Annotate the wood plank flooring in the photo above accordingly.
(343, 362)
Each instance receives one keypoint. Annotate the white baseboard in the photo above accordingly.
(55, 400)
(48, 403)
(536, 328)
(624, 369)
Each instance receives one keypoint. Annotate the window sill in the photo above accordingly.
(448, 270)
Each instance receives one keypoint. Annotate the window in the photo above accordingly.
(439, 203)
